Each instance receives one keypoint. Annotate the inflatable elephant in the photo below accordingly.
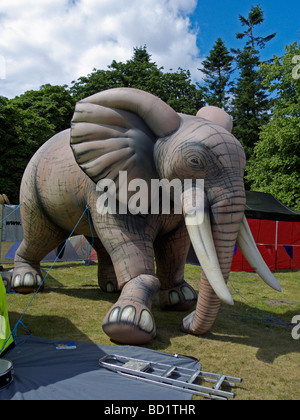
(4, 199)
(126, 131)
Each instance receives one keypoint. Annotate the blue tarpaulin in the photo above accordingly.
(44, 372)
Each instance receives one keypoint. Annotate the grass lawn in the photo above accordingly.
(241, 343)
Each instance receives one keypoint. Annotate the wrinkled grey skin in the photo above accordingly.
(129, 130)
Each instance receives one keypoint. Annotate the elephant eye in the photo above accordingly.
(194, 161)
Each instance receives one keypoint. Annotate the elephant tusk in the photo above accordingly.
(202, 241)
(247, 245)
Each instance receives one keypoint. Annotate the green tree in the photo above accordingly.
(138, 72)
(275, 165)
(254, 18)
(53, 103)
(217, 67)
(178, 91)
(250, 103)
(26, 122)
(22, 131)
(175, 88)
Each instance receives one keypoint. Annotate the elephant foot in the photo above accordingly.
(129, 323)
(130, 320)
(181, 298)
(26, 279)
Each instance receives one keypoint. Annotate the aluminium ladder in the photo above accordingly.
(175, 377)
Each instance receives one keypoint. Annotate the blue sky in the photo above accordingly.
(219, 18)
(58, 41)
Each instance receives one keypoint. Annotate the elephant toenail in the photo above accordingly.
(128, 314)
(174, 297)
(146, 321)
(28, 279)
(39, 279)
(17, 281)
(187, 293)
(113, 317)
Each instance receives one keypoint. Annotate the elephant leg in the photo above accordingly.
(107, 279)
(170, 255)
(130, 320)
(41, 236)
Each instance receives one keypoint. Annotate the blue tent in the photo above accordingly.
(68, 254)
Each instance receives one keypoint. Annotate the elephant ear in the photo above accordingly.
(115, 130)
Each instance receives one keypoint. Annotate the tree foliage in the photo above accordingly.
(175, 88)
(217, 68)
(275, 164)
(138, 72)
(250, 103)
(26, 122)
(21, 134)
(30, 119)
(268, 129)
(53, 103)
(254, 18)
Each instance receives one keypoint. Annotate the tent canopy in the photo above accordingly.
(6, 339)
(276, 231)
(265, 206)
(68, 254)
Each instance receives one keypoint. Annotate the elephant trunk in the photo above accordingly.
(213, 233)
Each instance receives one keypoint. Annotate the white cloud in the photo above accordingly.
(57, 41)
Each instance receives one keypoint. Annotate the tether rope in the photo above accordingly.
(19, 322)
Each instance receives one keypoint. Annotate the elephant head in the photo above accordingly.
(125, 129)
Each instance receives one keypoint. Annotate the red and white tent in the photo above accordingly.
(278, 243)
(276, 230)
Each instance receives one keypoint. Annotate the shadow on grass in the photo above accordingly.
(48, 326)
(242, 324)
(267, 331)
(87, 291)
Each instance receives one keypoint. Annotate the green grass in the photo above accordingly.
(241, 343)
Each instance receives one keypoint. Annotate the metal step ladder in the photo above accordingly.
(175, 377)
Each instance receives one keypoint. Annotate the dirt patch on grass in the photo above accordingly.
(280, 302)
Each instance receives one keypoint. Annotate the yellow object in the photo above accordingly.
(5, 331)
